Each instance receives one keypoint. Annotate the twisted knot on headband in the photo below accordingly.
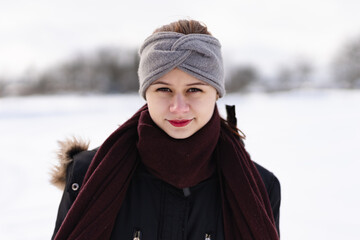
(195, 54)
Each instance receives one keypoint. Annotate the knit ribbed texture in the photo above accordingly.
(196, 54)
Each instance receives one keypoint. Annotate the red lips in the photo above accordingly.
(179, 123)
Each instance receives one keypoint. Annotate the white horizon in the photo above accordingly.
(38, 34)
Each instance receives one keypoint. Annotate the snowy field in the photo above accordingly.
(309, 139)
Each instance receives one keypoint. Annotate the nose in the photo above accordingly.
(179, 104)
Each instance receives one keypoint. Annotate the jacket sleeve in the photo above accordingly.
(273, 189)
(275, 199)
(75, 174)
(66, 201)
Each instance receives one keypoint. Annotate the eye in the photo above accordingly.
(194, 90)
(163, 89)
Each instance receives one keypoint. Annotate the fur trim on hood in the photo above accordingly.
(68, 149)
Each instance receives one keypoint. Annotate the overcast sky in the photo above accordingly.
(39, 33)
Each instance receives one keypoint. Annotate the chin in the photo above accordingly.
(178, 135)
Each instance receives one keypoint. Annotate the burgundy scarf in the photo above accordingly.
(181, 162)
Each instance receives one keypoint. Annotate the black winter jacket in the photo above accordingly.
(156, 210)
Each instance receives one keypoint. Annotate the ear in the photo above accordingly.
(217, 96)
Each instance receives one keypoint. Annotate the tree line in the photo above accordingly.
(114, 70)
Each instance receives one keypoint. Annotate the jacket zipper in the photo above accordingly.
(137, 235)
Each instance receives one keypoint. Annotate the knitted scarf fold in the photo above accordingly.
(246, 207)
(182, 163)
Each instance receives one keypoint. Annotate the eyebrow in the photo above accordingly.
(190, 84)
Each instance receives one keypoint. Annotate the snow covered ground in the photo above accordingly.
(309, 139)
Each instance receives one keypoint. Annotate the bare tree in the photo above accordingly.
(117, 70)
(346, 66)
(291, 76)
(107, 70)
(241, 78)
(2, 87)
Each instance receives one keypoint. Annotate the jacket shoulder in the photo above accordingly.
(77, 170)
(74, 160)
(268, 177)
(72, 153)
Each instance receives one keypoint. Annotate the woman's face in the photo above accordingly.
(180, 104)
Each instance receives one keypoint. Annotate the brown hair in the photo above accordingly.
(185, 27)
(191, 27)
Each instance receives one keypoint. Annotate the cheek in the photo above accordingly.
(205, 109)
(157, 108)
(207, 102)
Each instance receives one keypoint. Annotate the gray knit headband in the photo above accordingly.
(196, 54)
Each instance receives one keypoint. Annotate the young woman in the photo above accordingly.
(176, 169)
